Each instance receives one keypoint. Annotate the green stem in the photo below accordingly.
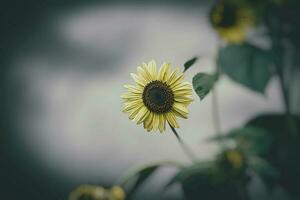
(183, 145)
(216, 116)
(284, 90)
(286, 99)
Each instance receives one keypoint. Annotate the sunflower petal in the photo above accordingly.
(177, 80)
(163, 71)
(172, 76)
(134, 89)
(152, 69)
(131, 96)
(144, 73)
(184, 84)
(162, 123)
(172, 119)
(134, 112)
(155, 121)
(184, 99)
(180, 109)
(148, 122)
(132, 104)
(141, 115)
(138, 79)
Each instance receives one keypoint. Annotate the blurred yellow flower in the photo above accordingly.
(117, 193)
(235, 158)
(231, 21)
(157, 97)
(93, 192)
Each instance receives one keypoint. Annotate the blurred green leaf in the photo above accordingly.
(268, 174)
(205, 180)
(203, 83)
(250, 139)
(185, 172)
(284, 151)
(189, 63)
(142, 173)
(247, 65)
(253, 140)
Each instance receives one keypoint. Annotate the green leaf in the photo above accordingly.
(184, 173)
(141, 174)
(253, 140)
(264, 170)
(203, 83)
(250, 139)
(247, 65)
(205, 180)
(189, 63)
(284, 151)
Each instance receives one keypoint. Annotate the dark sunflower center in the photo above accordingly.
(227, 16)
(158, 97)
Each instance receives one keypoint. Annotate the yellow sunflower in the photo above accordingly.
(157, 97)
(231, 21)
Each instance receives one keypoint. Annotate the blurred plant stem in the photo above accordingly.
(285, 89)
(216, 116)
(215, 103)
(280, 55)
(184, 146)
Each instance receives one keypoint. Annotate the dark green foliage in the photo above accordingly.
(247, 65)
(284, 150)
(189, 63)
(210, 180)
(250, 139)
(203, 83)
(268, 174)
(141, 174)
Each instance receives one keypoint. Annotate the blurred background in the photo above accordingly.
(63, 65)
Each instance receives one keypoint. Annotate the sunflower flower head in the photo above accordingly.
(231, 20)
(159, 96)
(93, 192)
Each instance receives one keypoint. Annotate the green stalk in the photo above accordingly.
(184, 146)
(216, 117)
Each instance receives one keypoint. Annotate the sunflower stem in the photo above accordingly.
(184, 146)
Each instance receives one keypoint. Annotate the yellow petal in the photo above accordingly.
(144, 73)
(152, 69)
(131, 96)
(141, 115)
(177, 80)
(182, 92)
(163, 71)
(155, 121)
(148, 122)
(183, 87)
(183, 98)
(139, 80)
(172, 76)
(162, 123)
(172, 119)
(134, 89)
(132, 104)
(134, 112)
(184, 84)
(180, 109)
